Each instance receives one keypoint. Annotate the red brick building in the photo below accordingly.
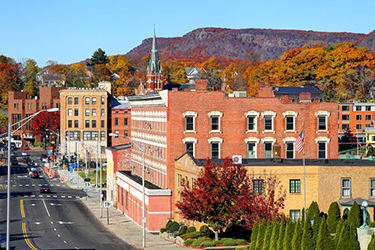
(22, 105)
(355, 116)
(209, 124)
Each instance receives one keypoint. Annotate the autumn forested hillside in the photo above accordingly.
(244, 44)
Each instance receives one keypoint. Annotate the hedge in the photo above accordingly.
(188, 242)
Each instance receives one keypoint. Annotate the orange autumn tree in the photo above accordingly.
(344, 71)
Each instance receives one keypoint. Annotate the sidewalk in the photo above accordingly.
(119, 224)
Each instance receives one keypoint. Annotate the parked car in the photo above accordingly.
(45, 188)
(25, 147)
(34, 174)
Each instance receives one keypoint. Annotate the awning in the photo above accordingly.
(359, 201)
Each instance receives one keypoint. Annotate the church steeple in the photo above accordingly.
(154, 82)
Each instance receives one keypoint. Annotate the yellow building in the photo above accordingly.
(84, 120)
(370, 135)
(327, 180)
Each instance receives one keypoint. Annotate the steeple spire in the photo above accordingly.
(154, 64)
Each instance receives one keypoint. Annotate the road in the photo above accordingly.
(56, 220)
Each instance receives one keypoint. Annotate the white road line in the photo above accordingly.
(77, 197)
(25, 196)
(48, 195)
(62, 196)
(46, 209)
(51, 222)
(20, 185)
(40, 196)
(58, 235)
(14, 185)
(69, 196)
(39, 185)
(33, 185)
(76, 247)
(33, 195)
(55, 196)
(27, 185)
(65, 241)
(55, 229)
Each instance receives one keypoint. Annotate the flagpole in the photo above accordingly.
(304, 172)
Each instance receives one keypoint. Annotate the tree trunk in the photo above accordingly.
(216, 235)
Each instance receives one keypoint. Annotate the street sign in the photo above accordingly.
(107, 204)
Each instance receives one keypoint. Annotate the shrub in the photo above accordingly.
(355, 215)
(173, 227)
(38, 144)
(372, 224)
(162, 230)
(205, 230)
(191, 229)
(348, 238)
(241, 242)
(168, 224)
(242, 248)
(182, 231)
(192, 235)
(229, 242)
(333, 217)
(197, 242)
(188, 242)
(207, 243)
(312, 211)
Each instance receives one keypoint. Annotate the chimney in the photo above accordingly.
(305, 97)
(266, 91)
(285, 99)
(200, 84)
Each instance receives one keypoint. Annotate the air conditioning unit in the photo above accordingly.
(237, 159)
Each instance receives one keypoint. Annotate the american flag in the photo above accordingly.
(300, 142)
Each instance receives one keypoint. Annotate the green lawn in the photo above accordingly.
(92, 175)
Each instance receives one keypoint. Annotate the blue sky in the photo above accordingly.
(69, 31)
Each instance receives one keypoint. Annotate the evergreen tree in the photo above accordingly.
(333, 217)
(312, 211)
(254, 235)
(267, 236)
(275, 235)
(289, 230)
(307, 237)
(280, 241)
(355, 215)
(297, 236)
(371, 245)
(99, 57)
(260, 236)
(337, 233)
(348, 239)
(324, 241)
(303, 214)
(315, 226)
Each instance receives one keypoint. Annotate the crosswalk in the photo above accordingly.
(2, 196)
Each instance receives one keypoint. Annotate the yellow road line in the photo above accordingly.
(22, 209)
(28, 242)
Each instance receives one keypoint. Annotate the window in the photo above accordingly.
(358, 126)
(289, 122)
(102, 135)
(75, 100)
(322, 150)
(251, 123)
(368, 108)
(102, 123)
(102, 149)
(87, 123)
(189, 147)
(345, 108)
(345, 117)
(345, 127)
(258, 186)
(87, 100)
(358, 117)
(295, 186)
(295, 215)
(125, 121)
(267, 149)
(322, 122)
(93, 112)
(214, 123)
(70, 112)
(93, 123)
(179, 180)
(345, 187)
(70, 122)
(193, 181)
(102, 112)
(70, 100)
(94, 101)
(268, 122)
(117, 133)
(126, 132)
(368, 117)
(75, 112)
(251, 150)
(76, 123)
(215, 149)
(189, 123)
(372, 187)
(73, 135)
(90, 136)
(116, 121)
(87, 112)
(102, 100)
(358, 108)
(289, 150)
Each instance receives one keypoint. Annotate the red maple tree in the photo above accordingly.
(44, 123)
(223, 195)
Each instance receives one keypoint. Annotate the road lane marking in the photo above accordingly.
(69, 196)
(38, 223)
(40, 196)
(58, 235)
(62, 196)
(27, 240)
(76, 247)
(46, 208)
(55, 229)
(65, 222)
(33, 195)
(22, 209)
(27, 185)
(65, 241)
(55, 196)
(33, 185)
(48, 196)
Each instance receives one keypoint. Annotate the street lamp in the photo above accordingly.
(21, 124)
(143, 186)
